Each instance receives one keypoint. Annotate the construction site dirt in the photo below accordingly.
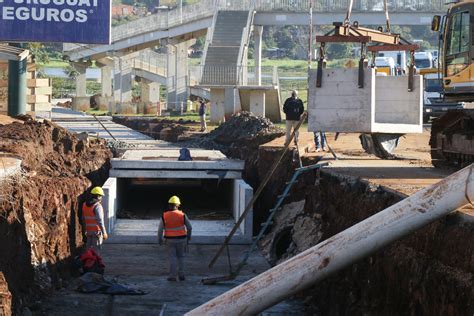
(430, 272)
(40, 231)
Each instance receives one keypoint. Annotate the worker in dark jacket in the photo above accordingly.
(177, 233)
(293, 109)
(93, 218)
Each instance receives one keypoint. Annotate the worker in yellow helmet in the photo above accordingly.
(93, 217)
(176, 229)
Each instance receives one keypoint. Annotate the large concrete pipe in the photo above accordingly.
(345, 248)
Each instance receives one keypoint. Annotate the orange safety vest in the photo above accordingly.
(173, 222)
(89, 218)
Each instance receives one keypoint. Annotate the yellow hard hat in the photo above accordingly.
(97, 191)
(174, 200)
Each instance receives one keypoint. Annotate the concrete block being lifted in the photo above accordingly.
(384, 105)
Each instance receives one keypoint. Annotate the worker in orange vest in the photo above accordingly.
(93, 218)
(176, 229)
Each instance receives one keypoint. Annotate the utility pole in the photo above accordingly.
(181, 10)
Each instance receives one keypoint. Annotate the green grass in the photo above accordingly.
(97, 112)
(55, 63)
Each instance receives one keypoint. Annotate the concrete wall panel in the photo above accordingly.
(109, 203)
(339, 105)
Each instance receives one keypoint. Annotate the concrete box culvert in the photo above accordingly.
(210, 187)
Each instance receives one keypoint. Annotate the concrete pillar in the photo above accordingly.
(229, 102)
(217, 105)
(257, 102)
(117, 80)
(178, 81)
(122, 80)
(150, 91)
(126, 85)
(106, 81)
(257, 53)
(81, 79)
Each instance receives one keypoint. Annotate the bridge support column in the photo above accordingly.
(81, 102)
(257, 53)
(257, 102)
(230, 107)
(217, 105)
(81, 79)
(122, 80)
(150, 91)
(178, 81)
(106, 81)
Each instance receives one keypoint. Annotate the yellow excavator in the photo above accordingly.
(452, 135)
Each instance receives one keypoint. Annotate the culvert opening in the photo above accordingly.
(202, 199)
(281, 243)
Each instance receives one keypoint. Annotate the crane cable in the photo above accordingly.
(387, 18)
(347, 20)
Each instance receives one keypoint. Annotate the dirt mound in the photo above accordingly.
(243, 127)
(40, 229)
(50, 150)
(240, 138)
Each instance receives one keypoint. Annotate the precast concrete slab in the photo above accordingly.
(163, 163)
(383, 105)
(79, 122)
(136, 231)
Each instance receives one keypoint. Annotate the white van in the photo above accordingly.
(400, 58)
(424, 60)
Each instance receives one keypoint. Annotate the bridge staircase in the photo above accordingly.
(223, 60)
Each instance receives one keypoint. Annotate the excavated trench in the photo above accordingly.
(430, 272)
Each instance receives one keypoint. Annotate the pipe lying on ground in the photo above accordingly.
(343, 249)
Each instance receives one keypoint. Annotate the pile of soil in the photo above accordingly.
(40, 230)
(240, 138)
(160, 129)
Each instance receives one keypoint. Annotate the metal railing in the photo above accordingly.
(233, 75)
(151, 61)
(206, 9)
(333, 6)
(246, 35)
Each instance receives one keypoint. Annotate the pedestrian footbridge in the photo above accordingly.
(223, 75)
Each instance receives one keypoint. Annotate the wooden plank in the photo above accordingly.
(390, 48)
(38, 99)
(35, 83)
(342, 39)
(40, 90)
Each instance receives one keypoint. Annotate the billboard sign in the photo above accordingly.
(70, 21)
